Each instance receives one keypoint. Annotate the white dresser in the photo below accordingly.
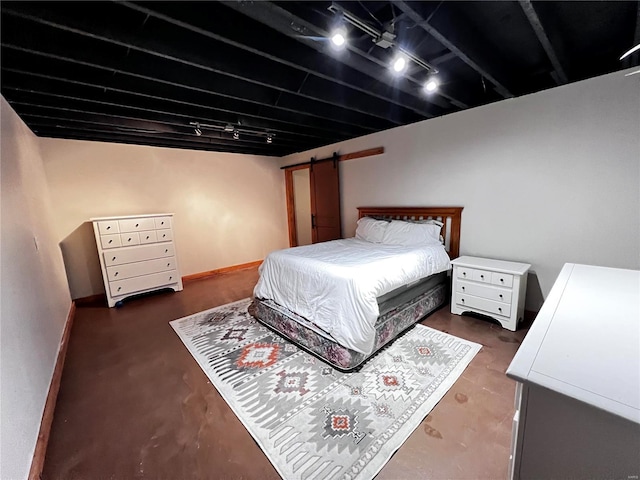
(137, 255)
(491, 287)
(578, 372)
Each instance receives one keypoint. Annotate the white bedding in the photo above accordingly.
(335, 284)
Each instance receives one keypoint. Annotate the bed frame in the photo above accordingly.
(388, 326)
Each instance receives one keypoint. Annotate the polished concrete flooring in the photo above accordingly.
(134, 404)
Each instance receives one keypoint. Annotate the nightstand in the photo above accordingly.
(495, 288)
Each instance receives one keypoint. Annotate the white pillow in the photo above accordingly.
(371, 230)
(406, 233)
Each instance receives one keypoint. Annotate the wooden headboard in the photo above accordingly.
(450, 216)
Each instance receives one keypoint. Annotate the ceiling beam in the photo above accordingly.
(227, 32)
(560, 75)
(299, 29)
(226, 110)
(258, 71)
(458, 50)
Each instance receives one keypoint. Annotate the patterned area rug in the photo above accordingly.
(312, 421)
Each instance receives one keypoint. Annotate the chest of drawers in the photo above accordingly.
(137, 255)
(490, 287)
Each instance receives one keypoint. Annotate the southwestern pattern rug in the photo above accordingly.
(312, 421)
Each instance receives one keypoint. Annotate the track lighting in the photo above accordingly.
(399, 63)
(228, 128)
(236, 134)
(222, 130)
(431, 84)
(339, 38)
(269, 138)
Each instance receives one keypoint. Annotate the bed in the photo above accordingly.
(346, 299)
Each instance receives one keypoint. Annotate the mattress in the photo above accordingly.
(336, 285)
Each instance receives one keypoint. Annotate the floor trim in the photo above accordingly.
(219, 271)
(37, 463)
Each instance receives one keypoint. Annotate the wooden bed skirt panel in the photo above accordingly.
(450, 216)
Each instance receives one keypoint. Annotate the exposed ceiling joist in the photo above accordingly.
(540, 32)
(453, 47)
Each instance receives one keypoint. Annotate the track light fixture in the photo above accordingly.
(385, 39)
(431, 85)
(235, 130)
(339, 38)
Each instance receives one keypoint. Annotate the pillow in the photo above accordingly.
(371, 230)
(399, 232)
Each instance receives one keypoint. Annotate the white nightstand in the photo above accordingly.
(491, 287)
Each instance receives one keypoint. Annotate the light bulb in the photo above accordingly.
(431, 85)
(338, 38)
(399, 64)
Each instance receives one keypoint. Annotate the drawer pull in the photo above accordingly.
(170, 277)
(464, 274)
(462, 300)
(500, 309)
(113, 259)
(129, 239)
(109, 227)
(115, 274)
(161, 223)
(137, 224)
(502, 280)
(500, 295)
(168, 264)
(463, 288)
(481, 276)
(110, 241)
(119, 288)
(147, 237)
(166, 250)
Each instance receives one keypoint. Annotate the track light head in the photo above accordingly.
(338, 38)
(431, 85)
(236, 134)
(197, 130)
(399, 63)
(228, 128)
(269, 138)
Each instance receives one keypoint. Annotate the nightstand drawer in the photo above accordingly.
(484, 291)
(163, 222)
(108, 227)
(471, 301)
(148, 237)
(502, 279)
(164, 235)
(481, 276)
(464, 273)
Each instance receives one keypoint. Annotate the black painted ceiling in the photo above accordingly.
(143, 72)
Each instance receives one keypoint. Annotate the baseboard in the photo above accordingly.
(37, 463)
(97, 299)
(219, 271)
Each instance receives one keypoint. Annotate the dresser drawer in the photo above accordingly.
(138, 254)
(128, 239)
(137, 284)
(128, 270)
(502, 279)
(148, 237)
(108, 226)
(164, 235)
(471, 301)
(110, 241)
(464, 273)
(485, 291)
(162, 222)
(136, 224)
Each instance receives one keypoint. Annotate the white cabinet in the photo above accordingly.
(578, 374)
(137, 255)
(491, 287)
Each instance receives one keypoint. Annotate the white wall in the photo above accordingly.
(229, 209)
(547, 178)
(35, 299)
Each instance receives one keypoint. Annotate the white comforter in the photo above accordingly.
(335, 284)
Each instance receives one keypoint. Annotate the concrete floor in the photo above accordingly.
(133, 403)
